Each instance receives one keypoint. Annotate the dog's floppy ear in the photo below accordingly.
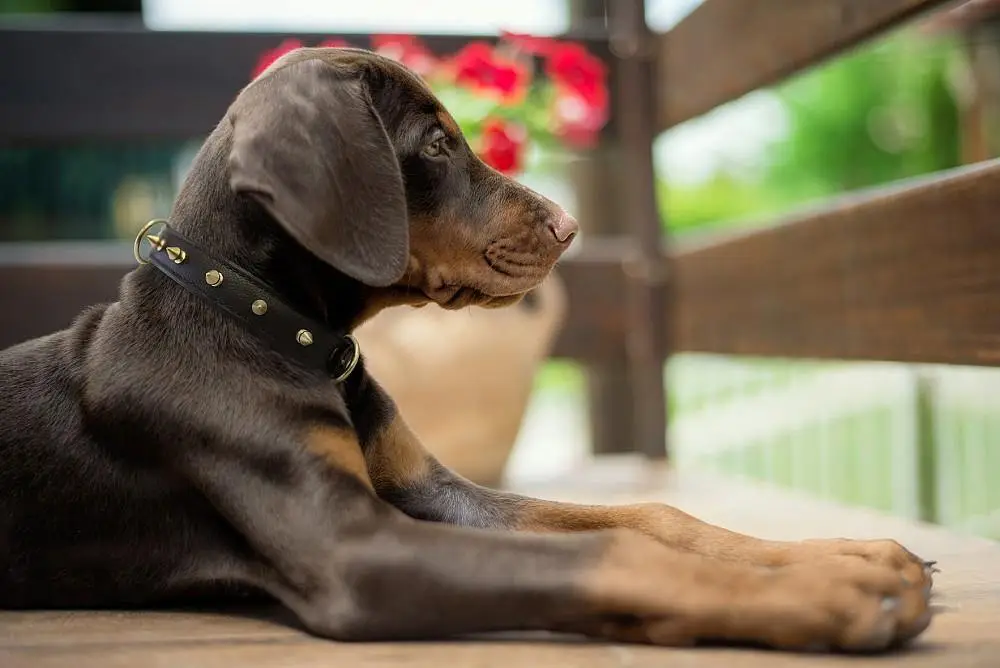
(309, 146)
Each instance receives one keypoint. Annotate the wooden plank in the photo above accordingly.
(964, 635)
(70, 629)
(727, 48)
(115, 81)
(45, 285)
(908, 273)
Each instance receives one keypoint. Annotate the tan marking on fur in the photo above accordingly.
(639, 577)
(340, 448)
(676, 529)
(396, 457)
(667, 525)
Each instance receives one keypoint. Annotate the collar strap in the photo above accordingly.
(246, 299)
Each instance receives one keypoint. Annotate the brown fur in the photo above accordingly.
(395, 458)
(339, 447)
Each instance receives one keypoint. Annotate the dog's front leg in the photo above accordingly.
(409, 477)
(312, 533)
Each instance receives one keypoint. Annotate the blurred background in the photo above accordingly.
(919, 441)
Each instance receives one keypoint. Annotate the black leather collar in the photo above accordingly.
(245, 298)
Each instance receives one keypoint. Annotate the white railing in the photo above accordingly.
(913, 440)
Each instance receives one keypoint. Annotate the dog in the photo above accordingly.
(214, 430)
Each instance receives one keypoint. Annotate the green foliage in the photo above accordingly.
(875, 115)
(719, 202)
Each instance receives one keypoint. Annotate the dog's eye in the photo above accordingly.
(436, 148)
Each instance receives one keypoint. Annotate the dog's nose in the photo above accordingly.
(563, 226)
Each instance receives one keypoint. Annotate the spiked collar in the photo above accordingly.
(248, 300)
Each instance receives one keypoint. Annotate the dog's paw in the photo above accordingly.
(840, 603)
(886, 553)
(844, 605)
(853, 604)
(820, 595)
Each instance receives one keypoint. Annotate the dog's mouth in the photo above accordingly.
(515, 275)
(497, 282)
(454, 297)
(517, 268)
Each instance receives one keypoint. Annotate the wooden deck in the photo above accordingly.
(963, 635)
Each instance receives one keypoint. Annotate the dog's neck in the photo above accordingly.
(240, 231)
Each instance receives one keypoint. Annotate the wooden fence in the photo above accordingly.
(909, 272)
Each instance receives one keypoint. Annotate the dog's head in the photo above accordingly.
(354, 156)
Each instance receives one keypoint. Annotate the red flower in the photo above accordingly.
(502, 145)
(408, 50)
(529, 43)
(269, 56)
(478, 66)
(580, 108)
(572, 67)
(576, 121)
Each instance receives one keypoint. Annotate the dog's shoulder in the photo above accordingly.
(41, 379)
(52, 356)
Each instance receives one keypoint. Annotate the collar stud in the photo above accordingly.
(304, 337)
(213, 277)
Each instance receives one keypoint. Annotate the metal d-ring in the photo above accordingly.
(354, 360)
(141, 235)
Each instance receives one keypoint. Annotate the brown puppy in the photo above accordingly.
(190, 438)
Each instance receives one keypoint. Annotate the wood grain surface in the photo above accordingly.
(905, 273)
(963, 635)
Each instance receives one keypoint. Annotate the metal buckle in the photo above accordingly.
(145, 233)
(353, 362)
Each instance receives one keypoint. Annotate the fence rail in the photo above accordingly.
(907, 273)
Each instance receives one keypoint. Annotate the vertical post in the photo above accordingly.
(597, 182)
(646, 269)
(927, 448)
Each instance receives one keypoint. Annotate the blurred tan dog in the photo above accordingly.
(463, 379)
